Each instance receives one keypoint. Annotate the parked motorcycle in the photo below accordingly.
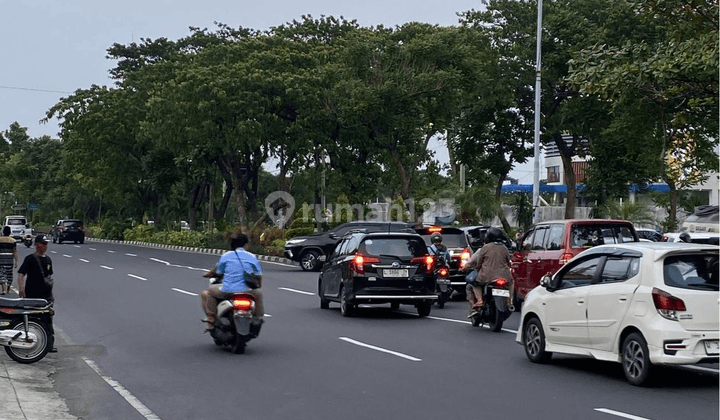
(442, 280)
(24, 330)
(495, 309)
(234, 324)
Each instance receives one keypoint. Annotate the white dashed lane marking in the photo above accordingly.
(137, 277)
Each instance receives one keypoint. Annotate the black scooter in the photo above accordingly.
(24, 330)
(442, 281)
(494, 310)
(235, 324)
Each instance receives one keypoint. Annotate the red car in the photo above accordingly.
(547, 246)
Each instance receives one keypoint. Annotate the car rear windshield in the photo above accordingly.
(697, 271)
(586, 236)
(15, 222)
(450, 240)
(399, 247)
(72, 223)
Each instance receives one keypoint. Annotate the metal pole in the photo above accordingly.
(536, 172)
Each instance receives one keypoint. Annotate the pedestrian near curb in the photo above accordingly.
(8, 259)
(35, 279)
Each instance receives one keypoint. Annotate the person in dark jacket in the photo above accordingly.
(32, 275)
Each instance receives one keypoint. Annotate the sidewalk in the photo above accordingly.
(26, 390)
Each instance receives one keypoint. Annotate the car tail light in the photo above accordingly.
(667, 305)
(434, 229)
(501, 283)
(443, 273)
(464, 258)
(565, 258)
(360, 260)
(428, 261)
(243, 303)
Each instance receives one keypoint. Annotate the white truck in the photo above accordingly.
(20, 229)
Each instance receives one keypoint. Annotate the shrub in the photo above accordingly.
(141, 233)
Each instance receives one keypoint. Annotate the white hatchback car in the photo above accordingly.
(638, 304)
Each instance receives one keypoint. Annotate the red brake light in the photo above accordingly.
(243, 304)
(427, 260)
(501, 282)
(443, 272)
(565, 258)
(666, 304)
(434, 229)
(464, 257)
(360, 260)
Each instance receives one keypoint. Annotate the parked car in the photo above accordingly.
(547, 246)
(651, 235)
(68, 230)
(458, 244)
(310, 250)
(639, 304)
(376, 268)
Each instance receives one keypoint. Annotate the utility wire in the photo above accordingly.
(36, 90)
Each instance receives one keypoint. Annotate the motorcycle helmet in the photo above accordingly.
(493, 235)
(436, 238)
(685, 237)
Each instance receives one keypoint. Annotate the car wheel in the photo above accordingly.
(534, 342)
(347, 309)
(424, 308)
(309, 261)
(636, 359)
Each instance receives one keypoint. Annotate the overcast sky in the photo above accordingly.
(50, 48)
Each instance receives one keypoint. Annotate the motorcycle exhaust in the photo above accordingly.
(511, 308)
(18, 339)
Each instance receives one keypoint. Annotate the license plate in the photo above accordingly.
(400, 272)
(501, 292)
(711, 347)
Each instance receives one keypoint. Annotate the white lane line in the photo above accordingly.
(137, 277)
(92, 249)
(277, 263)
(111, 251)
(704, 369)
(134, 402)
(66, 256)
(184, 291)
(131, 255)
(53, 252)
(178, 266)
(296, 291)
(84, 260)
(459, 321)
(620, 414)
(106, 267)
(394, 353)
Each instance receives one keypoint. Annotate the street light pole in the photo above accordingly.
(536, 172)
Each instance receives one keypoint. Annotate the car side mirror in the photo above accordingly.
(332, 235)
(322, 258)
(546, 281)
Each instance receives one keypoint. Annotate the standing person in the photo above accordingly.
(33, 275)
(8, 253)
(492, 261)
(235, 266)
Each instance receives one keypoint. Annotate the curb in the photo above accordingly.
(194, 250)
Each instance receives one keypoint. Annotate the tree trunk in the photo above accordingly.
(501, 213)
(570, 183)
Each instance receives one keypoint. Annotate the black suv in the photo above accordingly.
(68, 230)
(388, 267)
(307, 250)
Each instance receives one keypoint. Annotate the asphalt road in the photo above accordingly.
(132, 315)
